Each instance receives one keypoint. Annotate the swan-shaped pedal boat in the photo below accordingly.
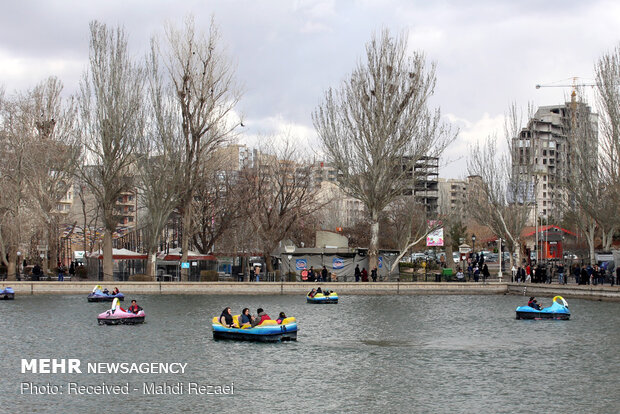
(557, 310)
(7, 293)
(97, 295)
(117, 315)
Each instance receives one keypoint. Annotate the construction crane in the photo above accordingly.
(574, 85)
(573, 95)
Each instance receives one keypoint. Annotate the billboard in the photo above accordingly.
(435, 237)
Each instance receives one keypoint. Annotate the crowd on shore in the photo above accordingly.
(581, 274)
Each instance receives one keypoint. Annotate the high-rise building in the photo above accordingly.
(423, 185)
(452, 196)
(543, 151)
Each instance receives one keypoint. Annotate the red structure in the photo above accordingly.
(550, 240)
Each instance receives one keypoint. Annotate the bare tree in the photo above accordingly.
(410, 223)
(54, 157)
(14, 140)
(160, 166)
(216, 206)
(378, 123)
(501, 192)
(203, 80)
(587, 203)
(111, 121)
(280, 193)
(607, 70)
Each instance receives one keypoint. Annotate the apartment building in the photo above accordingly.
(543, 151)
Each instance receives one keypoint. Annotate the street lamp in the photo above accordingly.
(473, 243)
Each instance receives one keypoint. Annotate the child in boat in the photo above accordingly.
(533, 304)
(281, 317)
(312, 293)
(134, 308)
(115, 291)
(261, 316)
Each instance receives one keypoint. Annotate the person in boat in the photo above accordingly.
(312, 293)
(115, 291)
(319, 290)
(106, 291)
(261, 317)
(226, 318)
(246, 318)
(281, 317)
(532, 303)
(134, 308)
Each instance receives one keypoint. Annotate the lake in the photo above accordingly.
(465, 354)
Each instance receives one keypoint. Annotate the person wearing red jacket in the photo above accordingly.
(261, 317)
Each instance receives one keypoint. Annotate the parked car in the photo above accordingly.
(456, 257)
(491, 257)
(417, 256)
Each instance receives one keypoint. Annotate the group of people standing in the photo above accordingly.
(363, 274)
(476, 267)
(582, 274)
(316, 276)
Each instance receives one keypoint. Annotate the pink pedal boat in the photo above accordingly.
(117, 315)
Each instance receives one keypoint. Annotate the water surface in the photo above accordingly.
(464, 354)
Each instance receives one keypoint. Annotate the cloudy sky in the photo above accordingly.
(288, 52)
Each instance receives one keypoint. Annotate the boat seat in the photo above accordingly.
(288, 320)
(268, 322)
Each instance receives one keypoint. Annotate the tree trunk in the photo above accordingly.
(108, 260)
(373, 248)
(151, 270)
(268, 263)
(187, 222)
(11, 269)
(448, 243)
(590, 240)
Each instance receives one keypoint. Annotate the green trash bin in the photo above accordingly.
(447, 273)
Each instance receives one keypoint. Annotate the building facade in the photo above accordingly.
(542, 155)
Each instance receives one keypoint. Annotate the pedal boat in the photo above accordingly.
(7, 293)
(557, 310)
(118, 316)
(268, 331)
(321, 298)
(97, 295)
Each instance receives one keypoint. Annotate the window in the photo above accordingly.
(545, 152)
(544, 186)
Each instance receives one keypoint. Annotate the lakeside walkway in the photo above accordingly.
(297, 288)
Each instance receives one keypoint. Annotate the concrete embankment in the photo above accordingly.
(292, 288)
(567, 291)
